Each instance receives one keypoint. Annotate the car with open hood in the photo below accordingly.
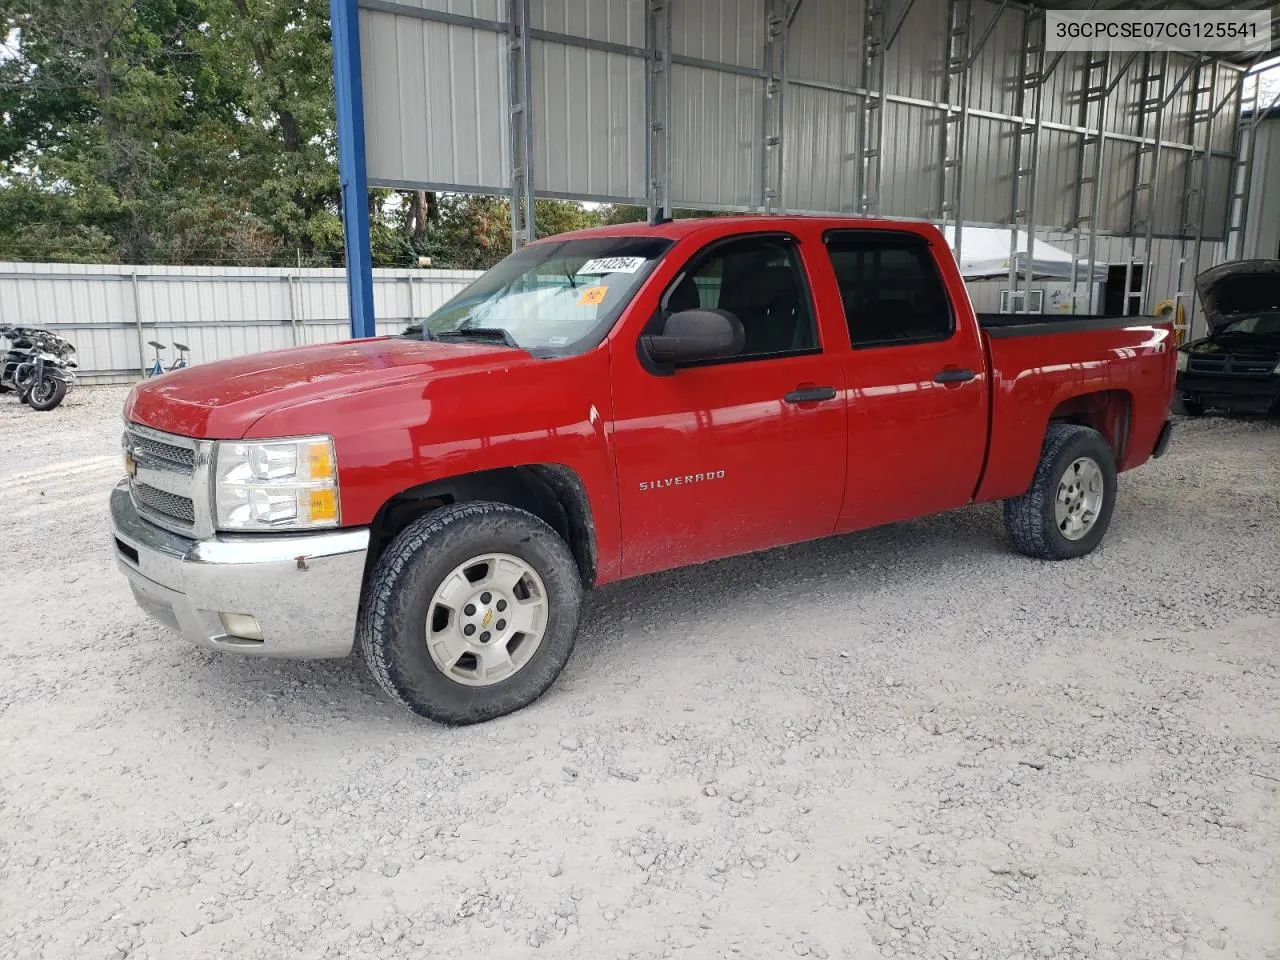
(1236, 367)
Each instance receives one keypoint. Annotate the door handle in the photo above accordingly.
(810, 394)
(953, 375)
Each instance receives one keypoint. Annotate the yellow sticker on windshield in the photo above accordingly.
(592, 295)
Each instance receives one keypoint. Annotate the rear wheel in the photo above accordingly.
(471, 612)
(1067, 509)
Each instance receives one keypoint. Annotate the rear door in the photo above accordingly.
(916, 381)
(729, 456)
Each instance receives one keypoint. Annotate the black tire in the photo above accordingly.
(1030, 517)
(47, 394)
(393, 620)
(1189, 407)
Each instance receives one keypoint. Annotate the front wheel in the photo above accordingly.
(471, 612)
(1067, 509)
(46, 394)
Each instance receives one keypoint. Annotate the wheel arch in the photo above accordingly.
(552, 492)
(1110, 412)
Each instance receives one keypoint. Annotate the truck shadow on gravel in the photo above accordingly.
(676, 609)
(662, 608)
(936, 550)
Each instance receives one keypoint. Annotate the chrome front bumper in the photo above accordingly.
(303, 589)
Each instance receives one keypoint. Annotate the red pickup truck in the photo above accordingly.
(605, 404)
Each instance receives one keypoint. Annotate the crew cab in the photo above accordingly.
(1236, 367)
(605, 404)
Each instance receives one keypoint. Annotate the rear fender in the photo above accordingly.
(1110, 412)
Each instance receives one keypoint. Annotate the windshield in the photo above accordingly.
(551, 298)
(1259, 325)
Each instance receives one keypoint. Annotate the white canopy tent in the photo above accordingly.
(984, 255)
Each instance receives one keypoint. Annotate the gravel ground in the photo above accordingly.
(907, 742)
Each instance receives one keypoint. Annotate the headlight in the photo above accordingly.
(1182, 361)
(276, 484)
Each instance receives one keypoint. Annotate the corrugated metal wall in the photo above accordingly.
(1262, 233)
(1173, 265)
(716, 144)
(438, 89)
(438, 114)
(223, 311)
(591, 141)
(216, 311)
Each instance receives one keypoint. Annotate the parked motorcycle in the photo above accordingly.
(39, 366)
(17, 353)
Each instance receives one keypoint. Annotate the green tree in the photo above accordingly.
(95, 102)
(286, 147)
(187, 130)
(473, 231)
(202, 131)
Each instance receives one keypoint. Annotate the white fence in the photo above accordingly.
(110, 312)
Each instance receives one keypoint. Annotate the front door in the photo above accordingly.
(729, 456)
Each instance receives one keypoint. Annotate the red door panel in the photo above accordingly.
(730, 456)
(916, 446)
(713, 462)
(916, 377)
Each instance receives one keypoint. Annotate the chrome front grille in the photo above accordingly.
(151, 498)
(168, 479)
(184, 457)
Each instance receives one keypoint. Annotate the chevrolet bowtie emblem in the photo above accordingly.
(130, 465)
(488, 619)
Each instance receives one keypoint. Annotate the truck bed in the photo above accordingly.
(1042, 324)
(1123, 362)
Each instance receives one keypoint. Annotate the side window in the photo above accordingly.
(761, 281)
(891, 289)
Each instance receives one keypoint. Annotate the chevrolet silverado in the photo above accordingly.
(605, 404)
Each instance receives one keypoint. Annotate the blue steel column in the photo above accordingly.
(345, 26)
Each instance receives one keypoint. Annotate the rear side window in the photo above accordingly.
(890, 287)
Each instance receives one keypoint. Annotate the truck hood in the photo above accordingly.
(223, 399)
(1241, 287)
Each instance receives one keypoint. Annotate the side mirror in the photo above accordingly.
(694, 335)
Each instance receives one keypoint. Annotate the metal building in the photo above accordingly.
(947, 110)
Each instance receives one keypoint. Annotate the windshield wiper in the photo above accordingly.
(418, 332)
(481, 334)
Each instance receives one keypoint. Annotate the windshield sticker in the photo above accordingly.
(612, 265)
(592, 296)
